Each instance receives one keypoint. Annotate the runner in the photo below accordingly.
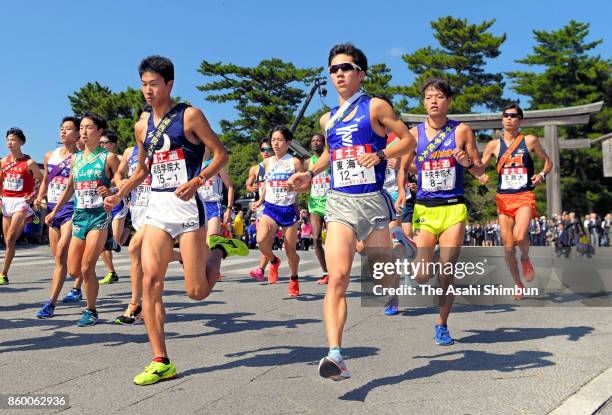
(253, 185)
(174, 145)
(116, 236)
(357, 206)
(444, 149)
(316, 202)
(279, 209)
(17, 176)
(90, 174)
(54, 183)
(516, 180)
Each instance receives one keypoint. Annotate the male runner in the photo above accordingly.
(279, 208)
(55, 180)
(174, 145)
(17, 175)
(516, 180)
(316, 202)
(253, 185)
(444, 149)
(109, 142)
(91, 171)
(357, 206)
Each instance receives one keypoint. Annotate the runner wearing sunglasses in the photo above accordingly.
(516, 179)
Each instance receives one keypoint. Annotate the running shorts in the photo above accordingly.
(509, 203)
(173, 215)
(137, 214)
(213, 210)
(64, 215)
(86, 220)
(436, 220)
(283, 215)
(12, 205)
(120, 211)
(316, 205)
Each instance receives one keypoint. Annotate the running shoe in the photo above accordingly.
(231, 246)
(112, 245)
(257, 274)
(273, 274)
(334, 368)
(73, 296)
(110, 278)
(132, 314)
(46, 311)
(89, 318)
(155, 372)
(3, 279)
(392, 307)
(294, 288)
(442, 336)
(528, 272)
(324, 279)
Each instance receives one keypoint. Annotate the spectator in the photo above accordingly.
(306, 235)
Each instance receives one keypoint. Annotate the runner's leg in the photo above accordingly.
(12, 227)
(94, 244)
(450, 246)
(59, 239)
(317, 226)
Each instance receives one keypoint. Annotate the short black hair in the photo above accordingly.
(111, 135)
(440, 84)
(285, 131)
(99, 120)
(264, 141)
(157, 64)
(16, 132)
(71, 118)
(518, 109)
(359, 58)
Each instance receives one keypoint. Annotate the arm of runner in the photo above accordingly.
(533, 144)
(110, 169)
(466, 152)
(250, 181)
(486, 158)
(229, 184)
(66, 195)
(402, 174)
(42, 190)
(262, 191)
(122, 170)
(300, 181)
(197, 124)
(35, 170)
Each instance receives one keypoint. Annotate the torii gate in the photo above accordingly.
(549, 119)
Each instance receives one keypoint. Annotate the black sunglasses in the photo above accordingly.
(510, 115)
(346, 67)
(266, 149)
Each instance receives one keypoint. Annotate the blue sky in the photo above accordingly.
(51, 49)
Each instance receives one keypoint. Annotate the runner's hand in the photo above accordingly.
(104, 191)
(187, 190)
(252, 189)
(484, 179)
(461, 156)
(368, 160)
(227, 217)
(400, 202)
(536, 180)
(110, 202)
(299, 182)
(392, 163)
(49, 217)
(256, 205)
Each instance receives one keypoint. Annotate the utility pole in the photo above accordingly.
(319, 85)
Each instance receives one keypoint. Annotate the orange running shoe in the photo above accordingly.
(324, 279)
(294, 288)
(273, 274)
(528, 273)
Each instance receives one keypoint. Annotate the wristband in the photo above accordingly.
(470, 166)
(312, 175)
(542, 175)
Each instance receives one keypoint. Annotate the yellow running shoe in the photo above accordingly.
(109, 278)
(231, 246)
(155, 372)
(3, 279)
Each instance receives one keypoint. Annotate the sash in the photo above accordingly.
(346, 108)
(58, 168)
(13, 164)
(162, 127)
(436, 142)
(86, 160)
(502, 160)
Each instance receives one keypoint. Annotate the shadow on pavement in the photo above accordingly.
(517, 334)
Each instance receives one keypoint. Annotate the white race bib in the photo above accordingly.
(277, 186)
(320, 184)
(13, 182)
(168, 170)
(56, 188)
(438, 175)
(346, 170)
(87, 196)
(514, 178)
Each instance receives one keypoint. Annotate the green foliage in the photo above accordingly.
(461, 60)
(120, 109)
(573, 75)
(241, 158)
(377, 83)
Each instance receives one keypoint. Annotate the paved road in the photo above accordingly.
(249, 348)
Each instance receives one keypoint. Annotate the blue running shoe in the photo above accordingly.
(442, 336)
(392, 307)
(46, 311)
(89, 318)
(73, 296)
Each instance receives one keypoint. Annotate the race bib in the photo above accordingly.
(207, 190)
(168, 170)
(345, 169)
(438, 175)
(86, 194)
(56, 188)
(514, 178)
(277, 188)
(320, 184)
(13, 182)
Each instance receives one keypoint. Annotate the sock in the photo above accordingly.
(94, 311)
(294, 278)
(77, 289)
(52, 303)
(335, 352)
(274, 261)
(162, 359)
